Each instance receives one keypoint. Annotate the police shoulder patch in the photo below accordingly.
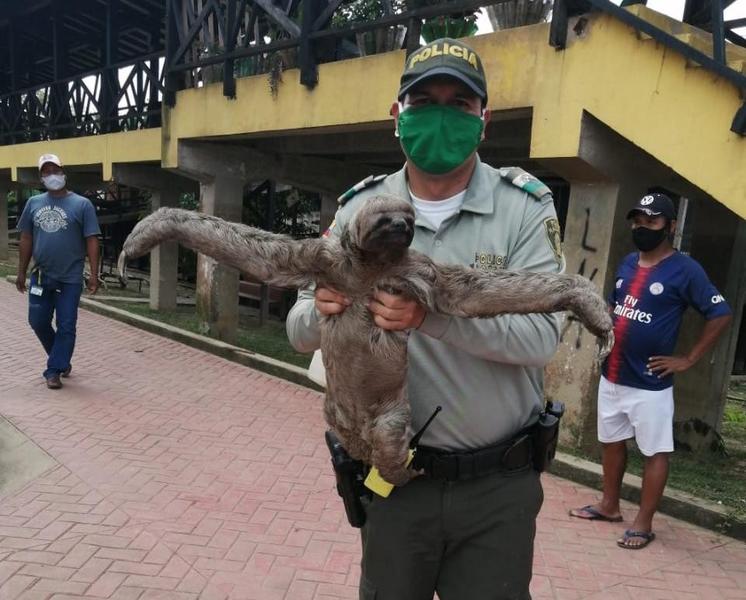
(369, 181)
(554, 235)
(527, 182)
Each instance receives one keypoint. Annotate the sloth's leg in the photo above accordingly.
(389, 437)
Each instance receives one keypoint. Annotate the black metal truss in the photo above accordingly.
(36, 35)
(202, 33)
(122, 97)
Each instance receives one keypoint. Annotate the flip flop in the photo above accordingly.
(595, 515)
(648, 536)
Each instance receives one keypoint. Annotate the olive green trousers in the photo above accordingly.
(465, 540)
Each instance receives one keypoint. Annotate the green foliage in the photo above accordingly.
(293, 212)
(189, 201)
(358, 11)
(448, 26)
(734, 413)
(455, 25)
(8, 270)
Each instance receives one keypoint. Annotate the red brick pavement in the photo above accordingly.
(184, 476)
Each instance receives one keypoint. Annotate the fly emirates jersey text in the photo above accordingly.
(628, 310)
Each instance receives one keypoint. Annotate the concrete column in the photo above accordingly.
(165, 188)
(595, 236)
(222, 170)
(217, 285)
(164, 260)
(328, 210)
(718, 243)
(4, 251)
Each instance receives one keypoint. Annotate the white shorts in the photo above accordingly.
(626, 412)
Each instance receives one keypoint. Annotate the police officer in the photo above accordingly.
(466, 527)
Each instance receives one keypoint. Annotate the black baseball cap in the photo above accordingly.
(448, 57)
(654, 205)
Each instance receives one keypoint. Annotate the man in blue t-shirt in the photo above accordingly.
(59, 229)
(652, 290)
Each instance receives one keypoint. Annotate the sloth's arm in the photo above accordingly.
(267, 257)
(466, 292)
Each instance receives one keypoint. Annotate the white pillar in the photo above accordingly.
(164, 260)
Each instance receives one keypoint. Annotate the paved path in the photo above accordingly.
(183, 476)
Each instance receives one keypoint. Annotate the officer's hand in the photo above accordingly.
(92, 286)
(667, 365)
(21, 282)
(396, 313)
(330, 302)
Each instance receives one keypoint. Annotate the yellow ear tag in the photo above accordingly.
(378, 484)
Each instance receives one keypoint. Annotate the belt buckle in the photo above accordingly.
(521, 444)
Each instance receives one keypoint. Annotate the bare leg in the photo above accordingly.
(614, 461)
(654, 480)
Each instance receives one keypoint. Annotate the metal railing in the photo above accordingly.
(205, 33)
(122, 97)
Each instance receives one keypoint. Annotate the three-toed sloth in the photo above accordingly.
(366, 367)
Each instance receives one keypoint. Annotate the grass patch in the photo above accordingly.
(8, 269)
(268, 339)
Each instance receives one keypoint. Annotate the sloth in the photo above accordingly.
(366, 367)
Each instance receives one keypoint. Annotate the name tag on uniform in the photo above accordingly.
(36, 290)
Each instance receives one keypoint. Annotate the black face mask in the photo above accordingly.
(648, 239)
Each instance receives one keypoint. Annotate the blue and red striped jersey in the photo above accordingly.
(647, 305)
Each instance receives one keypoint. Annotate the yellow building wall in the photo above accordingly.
(124, 147)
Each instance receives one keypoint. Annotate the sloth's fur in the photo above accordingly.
(366, 367)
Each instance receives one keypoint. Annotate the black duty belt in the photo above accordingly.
(513, 455)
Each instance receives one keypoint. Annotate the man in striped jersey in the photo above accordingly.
(653, 288)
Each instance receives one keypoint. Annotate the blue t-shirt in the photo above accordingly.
(59, 227)
(647, 304)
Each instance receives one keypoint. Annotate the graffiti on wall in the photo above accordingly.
(587, 252)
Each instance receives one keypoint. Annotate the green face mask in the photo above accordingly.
(438, 138)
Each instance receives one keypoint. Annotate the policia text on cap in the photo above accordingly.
(464, 528)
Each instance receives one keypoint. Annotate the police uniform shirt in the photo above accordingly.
(487, 374)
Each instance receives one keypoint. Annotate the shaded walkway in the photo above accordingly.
(182, 476)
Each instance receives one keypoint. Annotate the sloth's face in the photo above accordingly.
(384, 224)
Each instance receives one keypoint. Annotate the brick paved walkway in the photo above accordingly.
(184, 476)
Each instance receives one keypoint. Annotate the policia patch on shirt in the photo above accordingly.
(552, 228)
